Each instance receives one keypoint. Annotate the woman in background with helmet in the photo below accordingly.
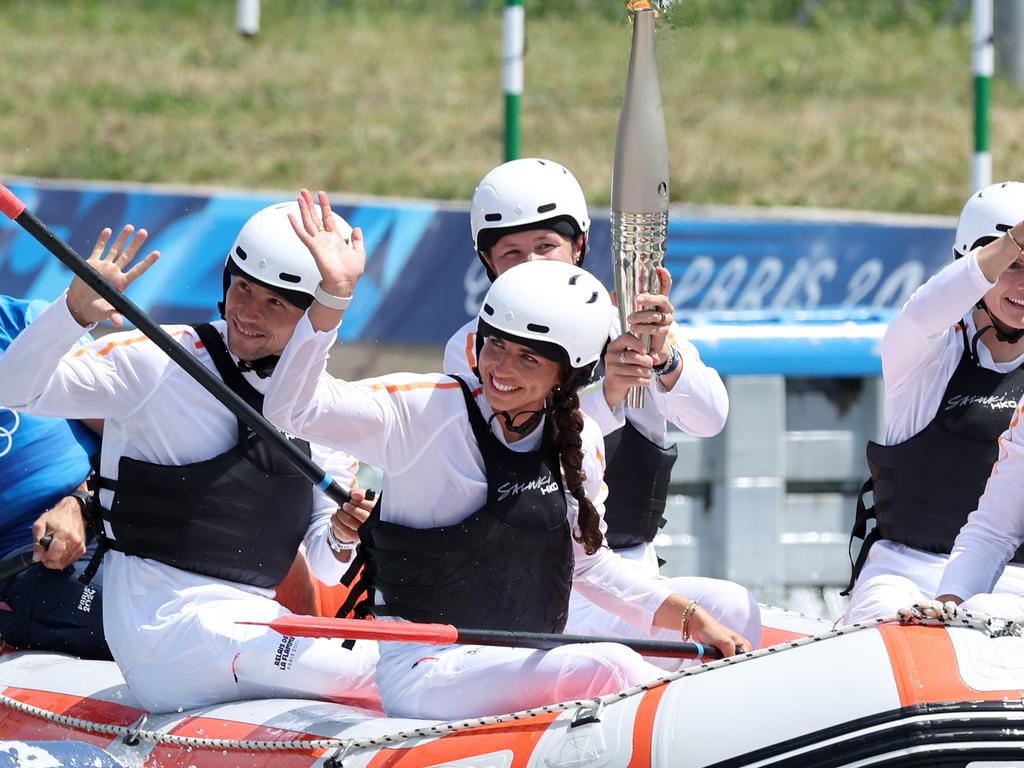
(951, 365)
(534, 209)
(487, 516)
(202, 517)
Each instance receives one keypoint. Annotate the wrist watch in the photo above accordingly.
(86, 503)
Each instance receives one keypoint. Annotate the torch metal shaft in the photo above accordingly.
(639, 216)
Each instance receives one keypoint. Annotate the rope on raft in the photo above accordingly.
(926, 614)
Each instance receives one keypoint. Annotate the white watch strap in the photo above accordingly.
(337, 544)
(330, 300)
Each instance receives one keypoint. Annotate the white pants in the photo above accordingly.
(730, 603)
(462, 681)
(206, 658)
(897, 576)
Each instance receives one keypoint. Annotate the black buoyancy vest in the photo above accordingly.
(507, 566)
(239, 516)
(637, 473)
(925, 487)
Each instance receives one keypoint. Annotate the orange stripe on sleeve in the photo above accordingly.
(106, 350)
(471, 349)
(393, 388)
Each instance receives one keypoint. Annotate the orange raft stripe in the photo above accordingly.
(518, 738)
(926, 670)
(24, 727)
(167, 756)
(643, 727)
(774, 636)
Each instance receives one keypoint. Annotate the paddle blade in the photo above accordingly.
(10, 205)
(361, 629)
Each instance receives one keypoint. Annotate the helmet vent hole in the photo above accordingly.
(289, 278)
(593, 298)
(573, 279)
(546, 207)
(492, 217)
(1004, 227)
(488, 309)
(537, 328)
(240, 253)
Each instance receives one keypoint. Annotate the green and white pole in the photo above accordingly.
(512, 48)
(982, 58)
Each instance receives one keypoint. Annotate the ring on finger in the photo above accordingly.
(622, 357)
(661, 318)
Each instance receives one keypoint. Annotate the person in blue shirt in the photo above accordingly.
(44, 463)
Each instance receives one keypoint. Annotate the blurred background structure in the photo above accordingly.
(818, 152)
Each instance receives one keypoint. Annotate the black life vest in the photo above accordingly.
(637, 473)
(238, 516)
(925, 487)
(507, 566)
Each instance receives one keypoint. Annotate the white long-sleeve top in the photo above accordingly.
(920, 351)
(415, 428)
(155, 412)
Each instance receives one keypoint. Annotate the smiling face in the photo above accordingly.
(515, 378)
(1006, 299)
(533, 245)
(260, 322)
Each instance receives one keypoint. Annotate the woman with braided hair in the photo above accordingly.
(487, 517)
(533, 209)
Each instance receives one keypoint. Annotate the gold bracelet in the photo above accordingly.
(684, 628)
(1020, 248)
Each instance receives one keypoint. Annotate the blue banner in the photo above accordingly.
(423, 280)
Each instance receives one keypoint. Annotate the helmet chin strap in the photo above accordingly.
(526, 426)
(555, 400)
(263, 367)
(1003, 331)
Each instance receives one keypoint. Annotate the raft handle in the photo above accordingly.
(132, 737)
(587, 713)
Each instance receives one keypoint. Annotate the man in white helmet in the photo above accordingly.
(200, 517)
(534, 209)
(951, 365)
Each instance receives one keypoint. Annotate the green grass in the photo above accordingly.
(867, 107)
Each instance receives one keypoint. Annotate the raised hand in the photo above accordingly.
(340, 262)
(85, 305)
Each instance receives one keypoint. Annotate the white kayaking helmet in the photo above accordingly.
(268, 252)
(526, 194)
(559, 310)
(987, 215)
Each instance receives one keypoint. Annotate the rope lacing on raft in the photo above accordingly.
(926, 614)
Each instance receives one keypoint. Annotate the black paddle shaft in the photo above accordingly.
(20, 559)
(545, 641)
(212, 383)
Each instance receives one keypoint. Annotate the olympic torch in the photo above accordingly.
(639, 216)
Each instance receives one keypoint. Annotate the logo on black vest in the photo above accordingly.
(544, 484)
(992, 402)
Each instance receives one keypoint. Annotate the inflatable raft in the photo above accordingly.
(881, 693)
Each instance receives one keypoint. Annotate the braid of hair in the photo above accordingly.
(568, 422)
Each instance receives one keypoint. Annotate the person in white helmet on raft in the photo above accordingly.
(951, 367)
(489, 513)
(534, 209)
(199, 518)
